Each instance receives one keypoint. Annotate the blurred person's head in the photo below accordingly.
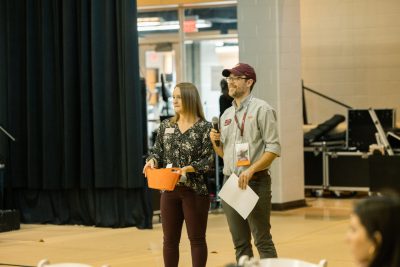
(374, 234)
(224, 87)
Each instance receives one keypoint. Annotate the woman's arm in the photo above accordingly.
(206, 158)
(155, 158)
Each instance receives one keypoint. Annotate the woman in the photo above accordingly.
(183, 142)
(374, 234)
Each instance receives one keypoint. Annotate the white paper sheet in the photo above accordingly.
(243, 201)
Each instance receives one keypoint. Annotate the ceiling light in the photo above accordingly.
(155, 24)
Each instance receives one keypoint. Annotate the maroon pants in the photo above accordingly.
(183, 204)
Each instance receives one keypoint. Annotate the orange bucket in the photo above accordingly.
(162, 179)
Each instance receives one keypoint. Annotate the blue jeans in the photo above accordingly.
(256, 224)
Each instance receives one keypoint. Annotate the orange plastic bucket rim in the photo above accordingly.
(162, 179)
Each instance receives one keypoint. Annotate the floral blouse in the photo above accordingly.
(192, 147)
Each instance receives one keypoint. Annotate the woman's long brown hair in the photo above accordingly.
(191, 102)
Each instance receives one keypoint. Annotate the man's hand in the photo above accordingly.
(245, 177)
(261, 164)
(214, 136)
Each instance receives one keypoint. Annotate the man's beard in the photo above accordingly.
(236, 92)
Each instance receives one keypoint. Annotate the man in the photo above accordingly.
(248, 143)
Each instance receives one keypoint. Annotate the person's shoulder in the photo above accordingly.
(226, 98)
(203, 126)
(260, 103)
(167, 123)
(205, 123)
(228, 110)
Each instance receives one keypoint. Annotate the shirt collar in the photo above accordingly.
(243, 103)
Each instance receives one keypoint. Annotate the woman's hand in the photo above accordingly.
(183, 171)
(151, 163)
(186, 169)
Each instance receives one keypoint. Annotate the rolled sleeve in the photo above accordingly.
(269, 130)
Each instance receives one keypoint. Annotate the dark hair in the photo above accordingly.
(224, 87)
(381, 214)
(191, 102)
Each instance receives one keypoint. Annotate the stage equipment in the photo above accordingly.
(361, 127)
(322, 129)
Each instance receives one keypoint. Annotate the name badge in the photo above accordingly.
(169, 130)
(242, 154)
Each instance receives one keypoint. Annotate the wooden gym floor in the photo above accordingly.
(311, 233)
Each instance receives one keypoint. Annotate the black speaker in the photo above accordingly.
(385, 173)
(9, 220)
(313, 168)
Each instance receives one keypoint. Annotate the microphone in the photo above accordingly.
(215, 122)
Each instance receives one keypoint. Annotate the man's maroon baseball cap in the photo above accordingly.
(241, 69)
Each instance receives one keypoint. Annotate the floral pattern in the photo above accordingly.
(191, 148)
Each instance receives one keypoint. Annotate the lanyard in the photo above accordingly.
(241, 127)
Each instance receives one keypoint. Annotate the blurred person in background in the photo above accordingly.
(225, 100)
(374, 233)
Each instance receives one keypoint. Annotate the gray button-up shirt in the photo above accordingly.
(260, 131)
